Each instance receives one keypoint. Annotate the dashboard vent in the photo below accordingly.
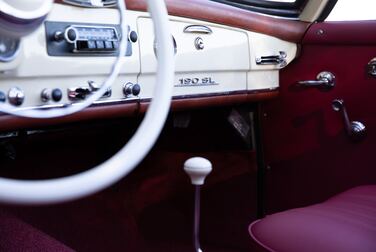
(92, 3)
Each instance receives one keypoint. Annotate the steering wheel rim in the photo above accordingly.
(69, 108)
(111, 171)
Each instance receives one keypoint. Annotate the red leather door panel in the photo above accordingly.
(308, 154)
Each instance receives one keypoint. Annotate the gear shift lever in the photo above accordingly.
(197, 169)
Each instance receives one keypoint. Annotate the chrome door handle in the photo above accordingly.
(198, 29)
(279, 59)
(354, 129)
(324, 80)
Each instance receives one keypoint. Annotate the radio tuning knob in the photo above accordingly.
(69, 35)
(133, 37)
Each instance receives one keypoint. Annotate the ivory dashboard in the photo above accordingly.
(70, 55)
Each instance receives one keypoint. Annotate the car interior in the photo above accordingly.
(187, 125)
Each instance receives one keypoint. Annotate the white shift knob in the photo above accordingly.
(197, 169)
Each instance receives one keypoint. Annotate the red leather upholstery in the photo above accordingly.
(345, 223)
(17, 236)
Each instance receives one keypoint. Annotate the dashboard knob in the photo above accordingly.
(136, 90)
(16, 96)
(56, 95)
(47, 94)
(133, 37)
(131, 89)
(69, 35)
(3, 97)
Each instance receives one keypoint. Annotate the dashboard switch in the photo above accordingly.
(78, 93)
(16, 96)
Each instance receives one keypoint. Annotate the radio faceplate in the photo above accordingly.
(83, 39)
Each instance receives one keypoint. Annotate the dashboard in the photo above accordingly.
(70, 55)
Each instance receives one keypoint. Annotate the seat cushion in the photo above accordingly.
(346, 223)
(16, 235)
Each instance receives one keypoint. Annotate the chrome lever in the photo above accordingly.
(279, 59)
(324, 80)
(354, 129)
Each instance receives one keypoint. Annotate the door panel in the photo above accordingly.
(308, 155)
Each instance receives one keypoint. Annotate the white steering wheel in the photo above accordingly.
(123, 162)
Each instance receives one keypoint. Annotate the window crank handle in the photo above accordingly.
(354, 129)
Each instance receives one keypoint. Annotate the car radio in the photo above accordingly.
(67, 39)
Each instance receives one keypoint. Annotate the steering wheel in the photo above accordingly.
(104, 175)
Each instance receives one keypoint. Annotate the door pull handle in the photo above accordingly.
(324, 81)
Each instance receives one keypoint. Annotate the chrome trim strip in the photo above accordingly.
(138, 99)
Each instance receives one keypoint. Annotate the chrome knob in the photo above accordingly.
(199, 44)
(70, 35)
(130, 89)
(16, 96)
(51, 94)
(46, 95)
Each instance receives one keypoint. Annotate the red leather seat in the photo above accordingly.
(16, 236)
(345, 223)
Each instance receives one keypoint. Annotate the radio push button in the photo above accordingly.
(100, 44)
(108, 45)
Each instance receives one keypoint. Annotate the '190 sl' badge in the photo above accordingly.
(193, 82)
